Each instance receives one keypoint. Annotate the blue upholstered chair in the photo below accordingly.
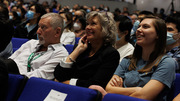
(177, 85)
(17, 42)
(175, 88)
(37, 89)
(118, 97)
(16, 84)
(69, 48)
(77, 40)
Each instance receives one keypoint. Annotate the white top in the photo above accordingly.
(43, 66)
(67, 37)
(125, 50)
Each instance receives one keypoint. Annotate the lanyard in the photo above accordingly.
(32, 57)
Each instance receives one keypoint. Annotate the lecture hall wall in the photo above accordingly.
(140, 4)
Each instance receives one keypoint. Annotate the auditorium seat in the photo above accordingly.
(77, 40)
(17, 42)
(175, 88)
(38, 89)
(69, 48)
(118, 97)
(177, 85)
(16, 84)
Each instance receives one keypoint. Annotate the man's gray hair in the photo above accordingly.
(55, 20)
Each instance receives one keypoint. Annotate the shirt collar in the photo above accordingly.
(52, 46)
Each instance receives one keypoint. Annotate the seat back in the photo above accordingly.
(17, 42)
(77, 40)
(118, 97)
(37, 89)
(16, 84)
(177, 85)
(69, 48)
(175, 89)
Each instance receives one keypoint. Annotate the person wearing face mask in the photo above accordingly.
(68, 36)
(28, 28)
(79, 26)
(14, 18)
(123, 46)
(173, 37)
(21, 12)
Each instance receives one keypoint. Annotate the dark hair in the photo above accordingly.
(4, 13)
(39, 9)
(146, 13)
(175, 19)
(7, 31)
(82, 20)
(23, 12)
(15, 15)
(161, 31)
(69, 18)
(125, 25)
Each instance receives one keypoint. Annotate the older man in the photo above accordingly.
(38, 58)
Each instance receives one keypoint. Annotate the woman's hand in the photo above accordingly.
(66, 82)
(116, 81)
(82, 44)
(99, 88)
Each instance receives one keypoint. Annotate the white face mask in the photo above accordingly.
(76, 26)
(10, 17)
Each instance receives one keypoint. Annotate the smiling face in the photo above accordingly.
(146, 34)
(94, 29)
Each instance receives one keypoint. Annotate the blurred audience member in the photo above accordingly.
(133, 18)
(14, 18)
(173, 38)
(68, 36)
(7, 31)
(28, 28)
(79, 26)
(124, 30)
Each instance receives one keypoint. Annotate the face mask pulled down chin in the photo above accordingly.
(170, 40)
(117, 37)
(76, 26)
(30, 15)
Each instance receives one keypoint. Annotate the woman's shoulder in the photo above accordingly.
(167, 61)
(109, 49)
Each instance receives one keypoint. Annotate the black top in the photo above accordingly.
(21, 31)
(3, 80)
(95, 70)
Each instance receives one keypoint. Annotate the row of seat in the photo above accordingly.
(20, 88)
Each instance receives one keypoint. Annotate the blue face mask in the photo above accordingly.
(19, 14)
(117, 38)
(30, 15)
(170, 40)
(88, 10)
